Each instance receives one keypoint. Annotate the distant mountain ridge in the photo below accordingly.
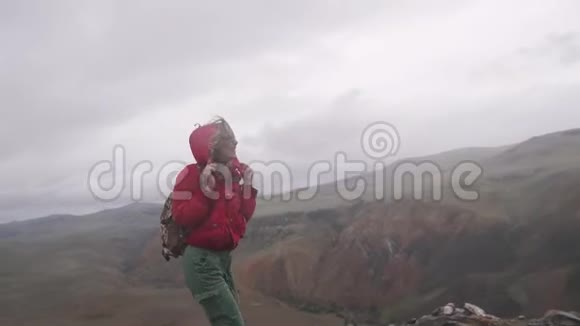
(522, 159)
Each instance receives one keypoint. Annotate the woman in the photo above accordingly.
(209, 200)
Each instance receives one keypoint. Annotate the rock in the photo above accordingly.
(472, 315)
(460, 311)
(556, 317)
(474, 309)
(448, 310)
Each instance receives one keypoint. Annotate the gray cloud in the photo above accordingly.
(564, 47)
(338, 127)
(74, 66)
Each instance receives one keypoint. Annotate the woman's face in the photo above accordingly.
(226, 149)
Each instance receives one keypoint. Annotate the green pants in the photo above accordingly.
(208, 275)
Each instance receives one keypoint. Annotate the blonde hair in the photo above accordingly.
(223, 131)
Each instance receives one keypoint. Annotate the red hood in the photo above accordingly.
(200, 141)
(200, 144)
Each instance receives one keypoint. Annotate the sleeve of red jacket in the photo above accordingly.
(249, 204)
(190, 205)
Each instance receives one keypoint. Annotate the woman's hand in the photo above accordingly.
(207, 179)
(248, 176)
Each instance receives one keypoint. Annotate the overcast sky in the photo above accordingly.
(298, 80)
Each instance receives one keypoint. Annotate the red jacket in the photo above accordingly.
(217, 224)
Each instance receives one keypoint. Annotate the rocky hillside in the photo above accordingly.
(396, 261)
(516, 249)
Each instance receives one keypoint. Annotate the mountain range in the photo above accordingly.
(514, 250)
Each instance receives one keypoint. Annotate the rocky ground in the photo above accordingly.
(472, 315)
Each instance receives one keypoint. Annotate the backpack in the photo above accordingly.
(172, 235)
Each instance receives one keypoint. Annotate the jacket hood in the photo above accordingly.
(201, 143)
